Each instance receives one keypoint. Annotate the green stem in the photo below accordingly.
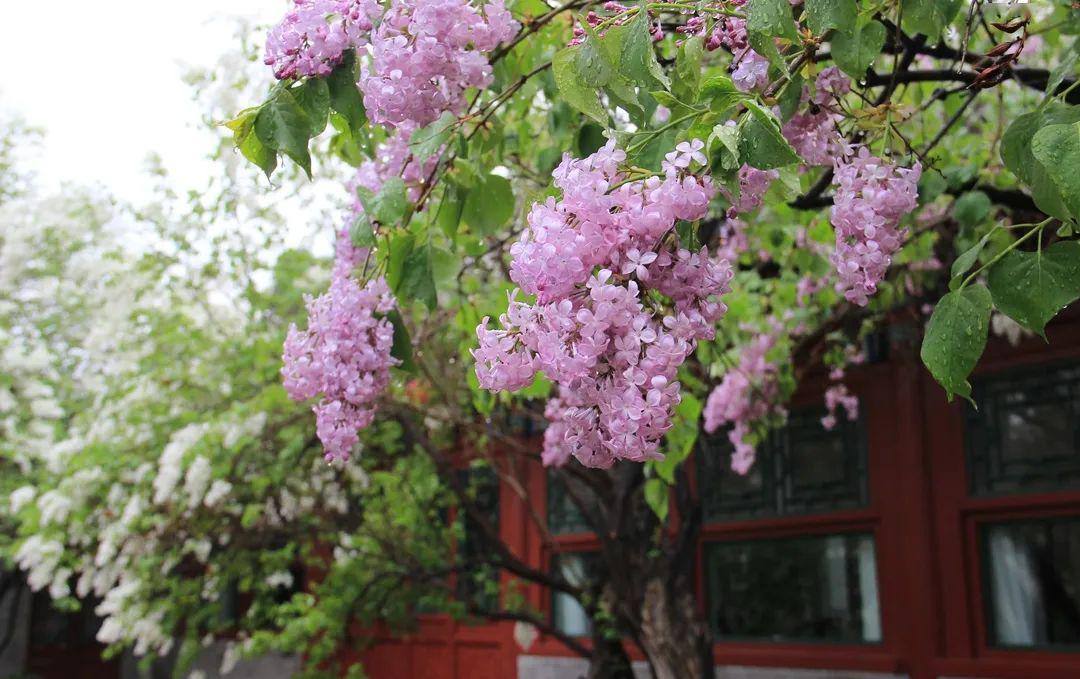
(1068, 89)
(653, 133)
(1037, 228)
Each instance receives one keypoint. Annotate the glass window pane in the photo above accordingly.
(822, 470)
(563, 514)
(1032, 574)
(579, 569)
(727, 495)
(800, 469)
(1025, 435)
(796, 589)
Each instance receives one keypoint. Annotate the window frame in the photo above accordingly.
(960, 517)
(561, 543)
(873, 384)
(924, 522)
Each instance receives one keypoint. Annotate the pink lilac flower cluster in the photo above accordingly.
(746, 395)
(619, 16)
(343, 356)
(426, 54)
(813, 133)
(837, 396)
(750, 70)
(872, 196)
(316, 34)
(733, 239)
(590, 258)
(753, 183)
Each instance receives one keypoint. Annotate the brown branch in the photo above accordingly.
(570, 642)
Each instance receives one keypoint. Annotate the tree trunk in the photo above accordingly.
(609, 659)
(673, 633)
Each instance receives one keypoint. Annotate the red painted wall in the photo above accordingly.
(921, 514)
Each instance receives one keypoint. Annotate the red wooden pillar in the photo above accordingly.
(909, 520)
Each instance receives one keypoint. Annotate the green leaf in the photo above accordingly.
(971, 208)
(967, 260)
(314, 97)
(389, 205)
(929, 17)
(591, 62)
(1032, 287)
(1057, 148)
(427, 141)
(678, 109)
(790, 182)
(245, 139)
(656, 496)
(452, 205)
(1065, 68)
(402, 244)
(345, 97)
(637, 58)
(402, 346)
(362, 232)
(588, 139)
(1018, 156)
(573, 90)
(761, 144)
(622, 93)
(489, 205)
(723, 147)
(417, 279)
(768, 19)
(282, 125)
(955, 338)
(822, 15)
(687, 80)
(680, 439)
(720, 93)
(790, 97)
(855, 50)
(350, 146)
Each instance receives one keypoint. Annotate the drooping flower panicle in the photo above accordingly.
(872, 196)
(591, 259)
(745, 396)
(343, 357)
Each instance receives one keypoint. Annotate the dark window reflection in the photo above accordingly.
(800, 469)
(1032, 574)
(802, 589)
(1025, 435)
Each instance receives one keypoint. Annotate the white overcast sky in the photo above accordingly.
(104, 81)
